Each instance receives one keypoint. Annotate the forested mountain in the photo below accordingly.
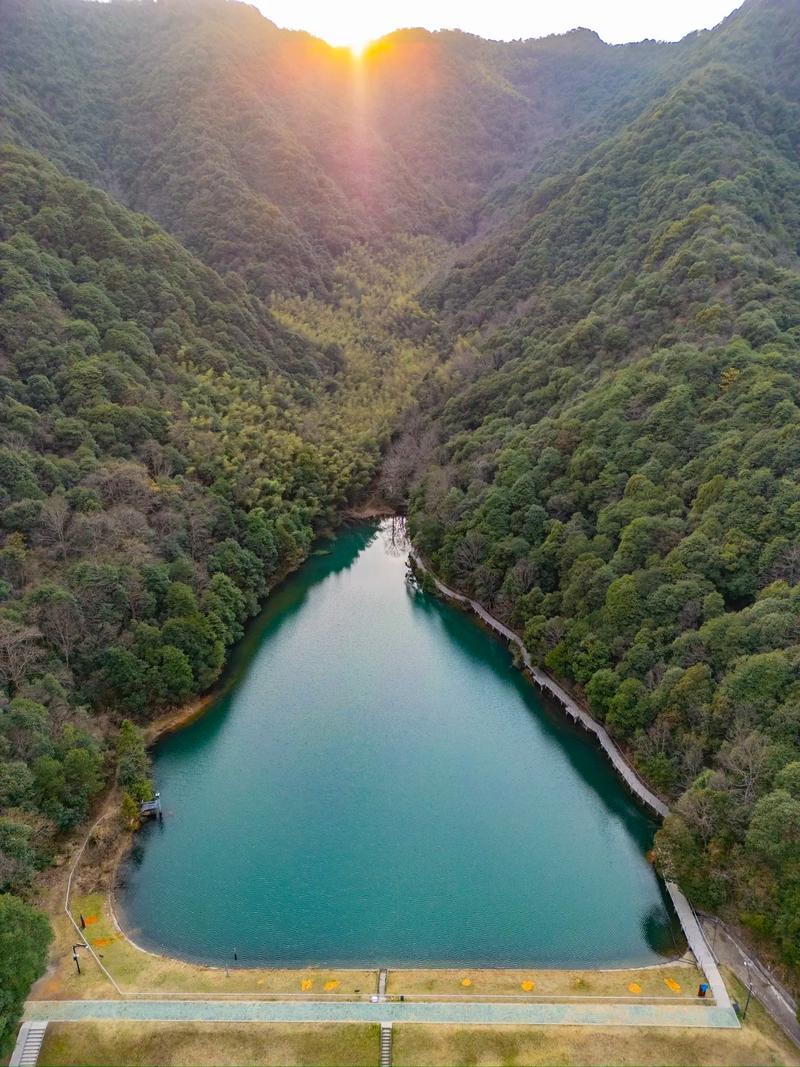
(268, 152)
(231, 257)
(616, 467)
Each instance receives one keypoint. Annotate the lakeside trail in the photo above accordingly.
(749, 970)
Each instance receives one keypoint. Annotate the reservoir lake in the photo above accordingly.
(379, 786)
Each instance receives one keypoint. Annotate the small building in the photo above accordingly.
(151, 808)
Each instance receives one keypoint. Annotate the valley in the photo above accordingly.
(542, 298)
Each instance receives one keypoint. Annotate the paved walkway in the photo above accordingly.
(699, 945)
(309, 1011)
(766, 987)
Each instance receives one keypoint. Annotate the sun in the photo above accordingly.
(358, 46)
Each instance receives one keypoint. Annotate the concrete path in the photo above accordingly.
(309, 1011)
(699, 945)
(769, 991)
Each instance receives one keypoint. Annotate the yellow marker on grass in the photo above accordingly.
(634, 987)
(527, 985)
(672, 984)
(306, 984)
(466, 982)
(330, 986)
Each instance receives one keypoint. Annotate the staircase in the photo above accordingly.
(29, 1043)
(386, 1045)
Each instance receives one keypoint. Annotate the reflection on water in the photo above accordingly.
(378, 785)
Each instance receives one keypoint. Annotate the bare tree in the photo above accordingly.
(657, 739)
(745, 761)
(123, 482)
(786, 566)
(407, 457)
(199, 524)
(469, 552)
(61, 620)
(54, 522)
(653, 678)
(19, 650)
(158, 463)
(166, 522)
(700, 811)
(692, 759)
(554, 630)
(395, 536)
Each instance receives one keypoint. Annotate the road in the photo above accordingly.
(766, 987)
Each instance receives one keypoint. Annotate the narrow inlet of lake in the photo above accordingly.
(379, 786)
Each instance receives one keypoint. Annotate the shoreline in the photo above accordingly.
(171, 721)
(175, 720)
(684, 912)
(573, 708)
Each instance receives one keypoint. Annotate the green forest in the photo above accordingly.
(544, 294)
(616, 470)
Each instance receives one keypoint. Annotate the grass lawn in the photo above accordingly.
(643, 982)
(330, 1044)
(137, 1044)
(137, 971)
(429, 1046)
(130, 1044)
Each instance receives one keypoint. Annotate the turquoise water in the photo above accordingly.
(380, 786)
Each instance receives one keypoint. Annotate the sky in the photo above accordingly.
(355, 22)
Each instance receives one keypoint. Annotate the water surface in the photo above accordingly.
(380, 786)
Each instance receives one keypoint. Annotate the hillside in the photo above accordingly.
(166, 450)
(138, 97)
(613, 467)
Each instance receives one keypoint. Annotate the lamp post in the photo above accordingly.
(749, 988)
(75, 948)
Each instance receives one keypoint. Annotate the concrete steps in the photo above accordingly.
(386, 1045)
(29, 1044)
